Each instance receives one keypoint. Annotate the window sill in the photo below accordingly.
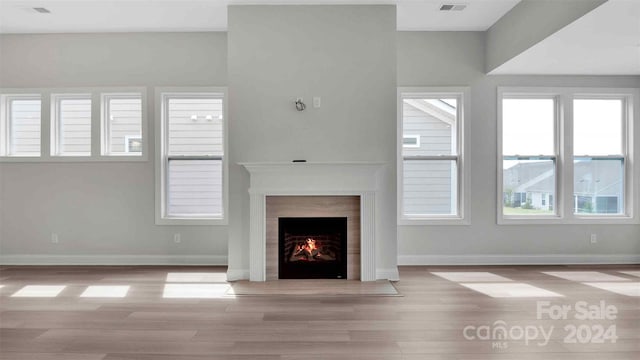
(71, 159)
(192, 221)
(427, 221)
(591, 220)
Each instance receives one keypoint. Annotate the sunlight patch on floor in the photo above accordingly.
(197, 277)
(628, 288)
(510, 290)
(39, 291)
(105, 291)
(584, 276)
(471, 276)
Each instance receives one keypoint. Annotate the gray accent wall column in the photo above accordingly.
(528, 23)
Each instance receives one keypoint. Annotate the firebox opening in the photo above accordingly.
(312, 248)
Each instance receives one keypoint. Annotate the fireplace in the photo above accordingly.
(312, 247)
(310, 189)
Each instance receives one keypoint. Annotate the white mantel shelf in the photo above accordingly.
(313, 179)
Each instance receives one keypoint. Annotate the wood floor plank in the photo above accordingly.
(290, 321)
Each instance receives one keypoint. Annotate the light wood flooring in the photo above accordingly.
(186, 313)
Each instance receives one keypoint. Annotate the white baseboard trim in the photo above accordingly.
(388, 274)
(216, 260)
(554, 259)
(237, 274)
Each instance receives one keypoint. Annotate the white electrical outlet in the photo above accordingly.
(54, 238)
(594, 238)
(177, 238)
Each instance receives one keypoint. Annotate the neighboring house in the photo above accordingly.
(428, 130)
(598, 186)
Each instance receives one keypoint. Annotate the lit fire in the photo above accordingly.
(310, 250)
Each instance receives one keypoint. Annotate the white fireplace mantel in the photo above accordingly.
(309, 179)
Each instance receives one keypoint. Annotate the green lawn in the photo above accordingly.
(521, 211)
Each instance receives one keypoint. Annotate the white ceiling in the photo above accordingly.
(18, 16)
(605, 41)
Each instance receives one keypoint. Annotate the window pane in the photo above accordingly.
(195, 126)
(433, 123)
(125, 125)
(528, 187)
(430, 187)
(74, 127)
(24, 137)
(597, 127)
(528, 127)
(598, 186)
(195, 188)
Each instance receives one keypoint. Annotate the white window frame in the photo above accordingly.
(463, 198)
(563, 199)
(47, 112)
(5, 123)
(105, 124)
(162, 94)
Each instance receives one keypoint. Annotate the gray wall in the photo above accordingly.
(345, 55)
(456, 59)
(100, 210)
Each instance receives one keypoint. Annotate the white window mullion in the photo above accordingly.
(45, 126)
(96, 104)
(565, 166)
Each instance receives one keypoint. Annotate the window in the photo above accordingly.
(122, 124)
(431, 172)
(192, 150)
(529, 155)
(411, 141)
(20, 125)
(80, 124)
(598, 156)
(565, 156)
(71, 125)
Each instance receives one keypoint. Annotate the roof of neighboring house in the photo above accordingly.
(600, 177)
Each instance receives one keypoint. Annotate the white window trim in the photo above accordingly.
(5, 122)
(564, 134)
(161, 94)
(96, 112)
(464, 194)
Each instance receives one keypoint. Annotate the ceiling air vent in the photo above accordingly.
(452, 7)
(42, 10)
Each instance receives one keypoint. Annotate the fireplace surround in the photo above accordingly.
(355, 180)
